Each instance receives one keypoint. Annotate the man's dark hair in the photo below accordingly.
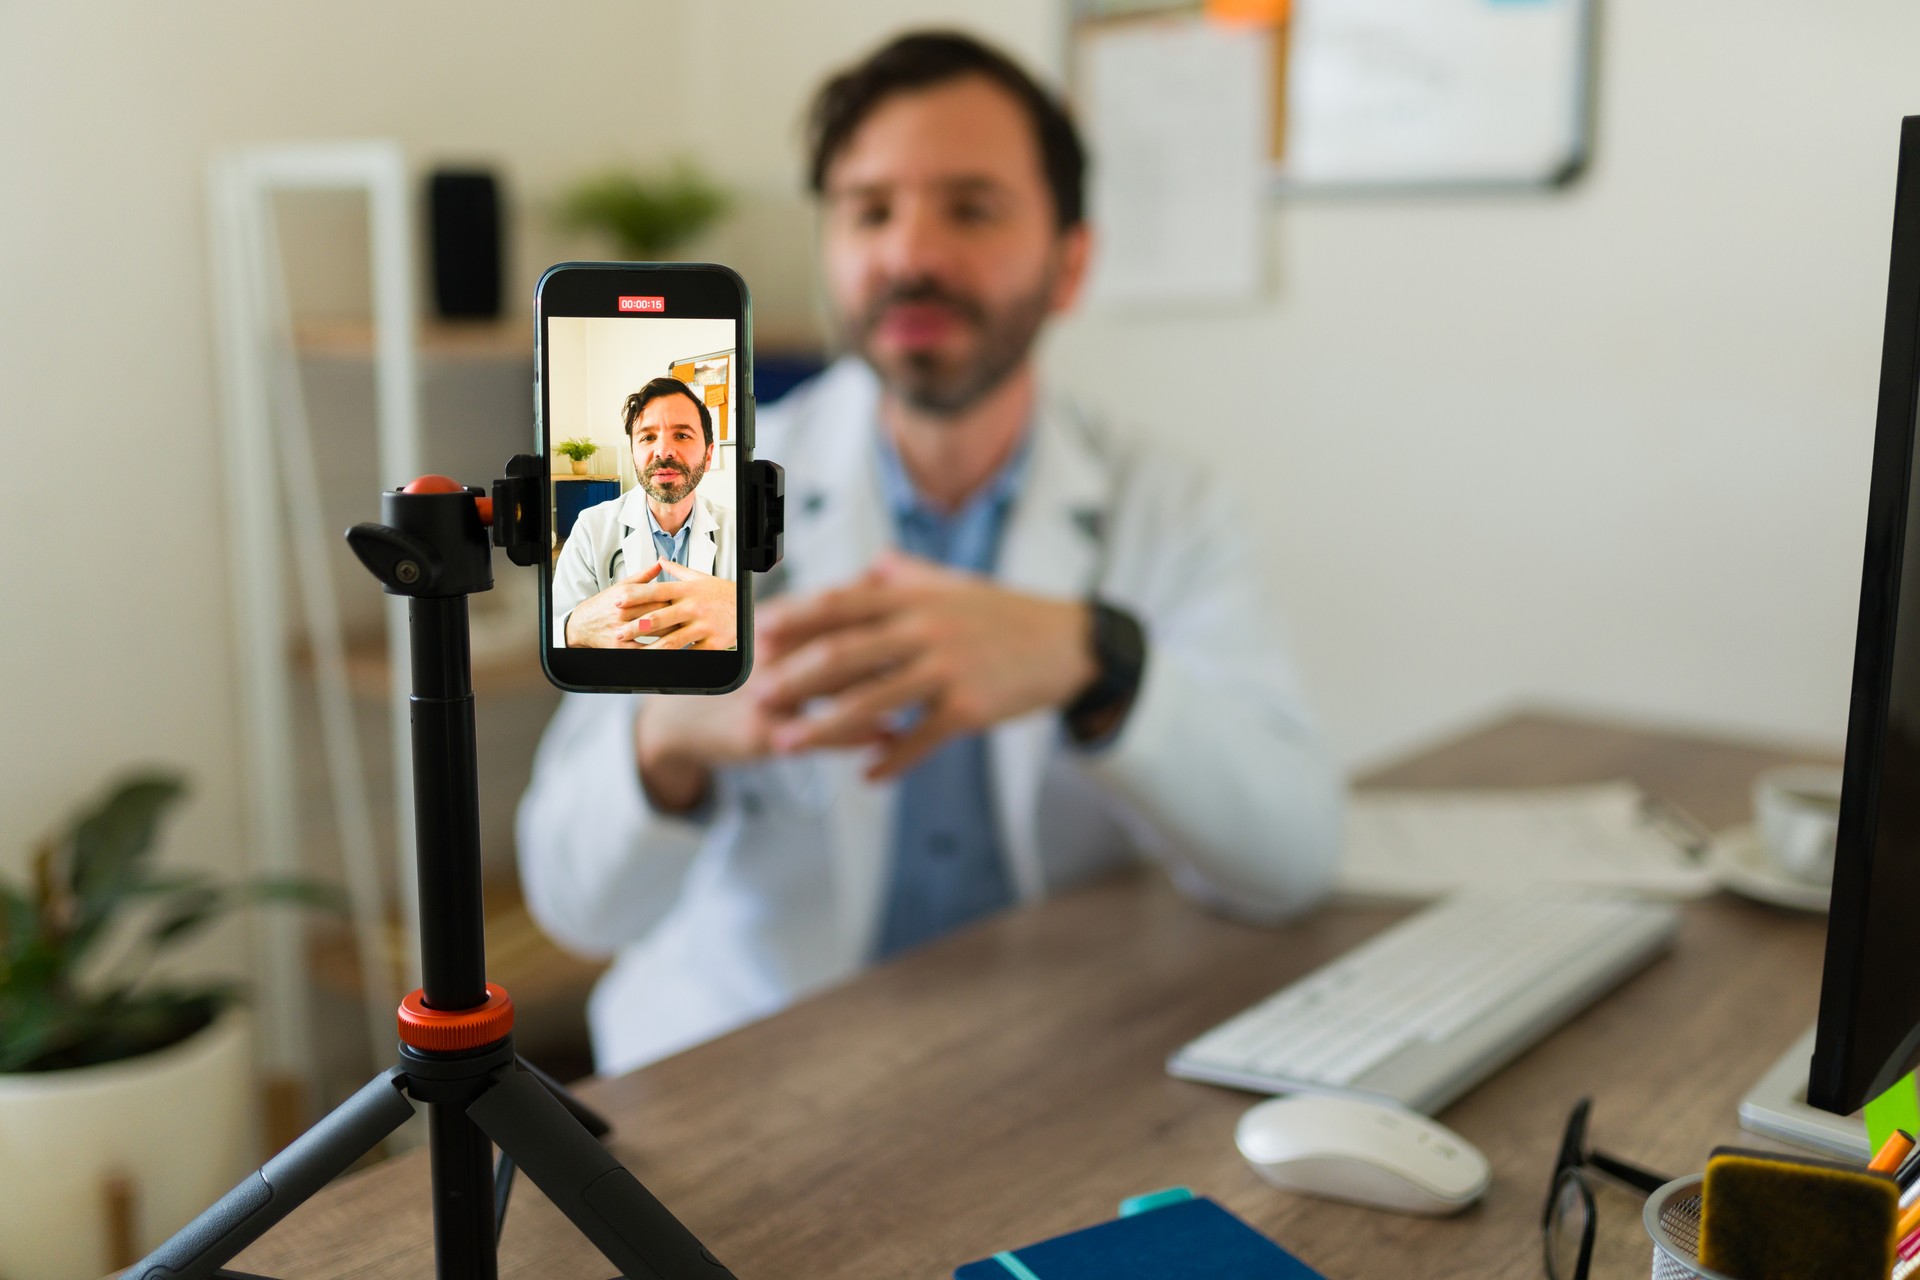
(922, 59)
(639, 400)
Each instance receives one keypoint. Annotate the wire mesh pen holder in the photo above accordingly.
(1672, 1219)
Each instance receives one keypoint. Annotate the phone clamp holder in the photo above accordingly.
(456, 1053)
(516, 511)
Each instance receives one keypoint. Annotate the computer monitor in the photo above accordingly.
(1869, 1023)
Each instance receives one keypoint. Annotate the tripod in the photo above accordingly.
(456, 1032)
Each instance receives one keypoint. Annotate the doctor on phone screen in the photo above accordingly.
(655, 565)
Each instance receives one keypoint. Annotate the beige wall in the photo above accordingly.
(1607, 446)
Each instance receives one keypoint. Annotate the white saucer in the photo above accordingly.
(1739, 864)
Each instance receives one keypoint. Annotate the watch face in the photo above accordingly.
(1119, 648)
(1118, 641)
(645, 417)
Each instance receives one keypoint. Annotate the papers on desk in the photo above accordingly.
(1424, 843)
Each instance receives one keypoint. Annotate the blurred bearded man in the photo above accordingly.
(1004, 653)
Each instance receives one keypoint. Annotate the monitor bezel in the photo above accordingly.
(1844, 1071)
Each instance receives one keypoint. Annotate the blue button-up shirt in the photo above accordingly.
(948, 867)
(671, 546)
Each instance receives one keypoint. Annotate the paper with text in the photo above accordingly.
(1177, 113)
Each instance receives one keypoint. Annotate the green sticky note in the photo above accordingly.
(1897, 1108)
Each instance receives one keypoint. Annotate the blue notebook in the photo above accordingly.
(1188, 1240)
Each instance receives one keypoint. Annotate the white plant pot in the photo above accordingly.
(177, 1125)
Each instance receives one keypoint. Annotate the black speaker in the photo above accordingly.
(464, 224)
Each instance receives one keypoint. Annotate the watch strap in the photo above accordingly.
(1120, 652)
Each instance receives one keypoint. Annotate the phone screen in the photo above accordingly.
(646, 404)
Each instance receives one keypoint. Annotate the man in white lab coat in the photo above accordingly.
(1004, 653)
(655, 565)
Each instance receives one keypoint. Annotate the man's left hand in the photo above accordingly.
(698, 611)
(911, 634)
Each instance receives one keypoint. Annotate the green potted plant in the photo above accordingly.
(577, 450)
(110, 1077)
(647, 215)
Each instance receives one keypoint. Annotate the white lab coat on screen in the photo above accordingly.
(776, 889)
(612, 539)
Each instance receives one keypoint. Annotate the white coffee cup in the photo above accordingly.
(1797, 810)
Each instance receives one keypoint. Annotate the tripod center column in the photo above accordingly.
(446, 805)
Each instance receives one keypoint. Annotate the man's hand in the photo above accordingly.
(678, 742)
(911, 635)
(698, 611)
(606, 620)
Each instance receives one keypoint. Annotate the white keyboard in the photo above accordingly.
(1426, 1010)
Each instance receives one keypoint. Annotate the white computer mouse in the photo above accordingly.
(1370, 1153)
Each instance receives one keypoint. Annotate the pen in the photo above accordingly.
(1897, 1147)
(1909, 1169)
(1909, 1220)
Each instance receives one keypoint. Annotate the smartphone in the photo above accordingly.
(645, 420)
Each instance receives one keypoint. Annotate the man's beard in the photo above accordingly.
(675, 492)
(947, 386)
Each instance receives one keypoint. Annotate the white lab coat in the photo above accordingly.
(610, 536)
(776, 890)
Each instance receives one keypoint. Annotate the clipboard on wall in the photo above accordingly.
(1396, 95)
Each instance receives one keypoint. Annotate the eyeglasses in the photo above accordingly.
(1568, 1222)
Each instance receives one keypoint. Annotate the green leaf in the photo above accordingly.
(185, 914)
(101, 914)
(150, 1020)
(18, 924)
(111, 843)
(295, 892)
(41, 966)
(110, 847)
(51, 1035)
(191, 909)
(649, 214)
(41, 1029)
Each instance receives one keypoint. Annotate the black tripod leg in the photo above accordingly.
(622, 1219)
(596, 1126)
(503, 1171)
(281, 1185)
(502, 1191)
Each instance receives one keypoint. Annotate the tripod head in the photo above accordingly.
(434, 539)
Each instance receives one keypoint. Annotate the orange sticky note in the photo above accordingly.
(1263, 13)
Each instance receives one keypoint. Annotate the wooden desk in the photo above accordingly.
(1006, 1084)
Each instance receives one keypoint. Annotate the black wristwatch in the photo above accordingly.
(1120, 651)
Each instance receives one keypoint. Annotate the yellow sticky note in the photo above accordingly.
(1267, 13)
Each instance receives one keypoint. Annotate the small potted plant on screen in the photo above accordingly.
(577, 450)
